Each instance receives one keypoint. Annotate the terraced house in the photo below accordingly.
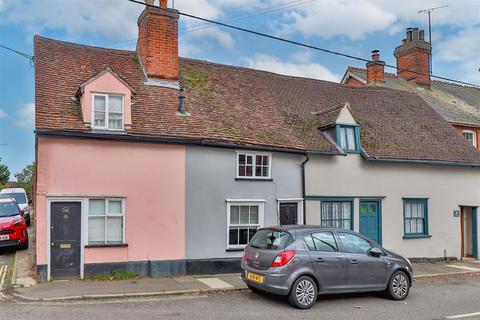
(166, 165)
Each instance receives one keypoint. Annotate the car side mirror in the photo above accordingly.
(22, 212)
(375, 252)
(29, 201)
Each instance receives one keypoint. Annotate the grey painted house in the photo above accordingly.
(232, 192)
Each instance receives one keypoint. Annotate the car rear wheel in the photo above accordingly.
(399, 286)
(25, 245)
(304, 293)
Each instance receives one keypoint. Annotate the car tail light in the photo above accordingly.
(283, 258)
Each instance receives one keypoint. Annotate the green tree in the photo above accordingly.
(4, 175)
(25, 179)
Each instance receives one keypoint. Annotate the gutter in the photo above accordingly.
(431, 162)
(171, 140)
(304, 162)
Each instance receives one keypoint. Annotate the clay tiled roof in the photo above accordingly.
(243, 106)
(456, 103)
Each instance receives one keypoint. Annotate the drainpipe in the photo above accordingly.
(303, 187)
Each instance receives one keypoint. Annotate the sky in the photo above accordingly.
(354, 27)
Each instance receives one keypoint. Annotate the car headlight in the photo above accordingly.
(18, 222)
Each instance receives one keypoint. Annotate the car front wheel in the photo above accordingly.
(399, 286)
(304, 293)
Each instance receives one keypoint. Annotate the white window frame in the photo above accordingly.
(106, 216)
(107, 110)
(254, 161)
(474, 136)
(261, 208)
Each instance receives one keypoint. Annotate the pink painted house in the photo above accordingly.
(110, 191)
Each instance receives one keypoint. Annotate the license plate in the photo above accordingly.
(4, 237)
(255, 277)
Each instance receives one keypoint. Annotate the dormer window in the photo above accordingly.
(107, 112)
(106, 102)
(348, 138)
(471, 137)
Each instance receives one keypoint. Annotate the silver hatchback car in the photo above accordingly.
(302, 262)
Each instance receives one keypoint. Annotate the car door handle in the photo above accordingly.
(353, 261)
(319, 260)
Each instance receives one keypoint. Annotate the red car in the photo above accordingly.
(13, 227)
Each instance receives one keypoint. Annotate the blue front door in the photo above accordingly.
(370, 220)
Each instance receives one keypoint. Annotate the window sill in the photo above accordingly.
(420, 236)
(235, 249)
(253, 179)
(121, 245)
(109, 131)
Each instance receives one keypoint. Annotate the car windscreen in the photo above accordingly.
(8, 209)
(271, 240)
(18, 196)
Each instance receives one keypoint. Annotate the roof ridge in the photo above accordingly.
(86, 46)
(455, 84)
(391, 74)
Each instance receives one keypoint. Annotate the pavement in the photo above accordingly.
(144, 287)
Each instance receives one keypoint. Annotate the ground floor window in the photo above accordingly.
(336, 214)
(244, 218)
(415, 213)
(106, 221)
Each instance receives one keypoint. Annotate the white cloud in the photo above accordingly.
(86, 17)
(355, 19)
(2, 114)
(110, 19)
(25, 117)
(462, 48)
(306, 69)
(329, 18)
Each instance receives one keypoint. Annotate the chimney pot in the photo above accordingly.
(404, 41)
(421, 35)
(415, 34)
(163, 4)
(375, 55)
(149, 2)
(409, 34)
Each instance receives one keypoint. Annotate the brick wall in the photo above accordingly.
(417, 60)
(157, 43)
(351, 81)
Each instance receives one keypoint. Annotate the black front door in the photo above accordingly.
(288, 213)
(65, 221)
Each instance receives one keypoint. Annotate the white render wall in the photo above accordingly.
(446, 187)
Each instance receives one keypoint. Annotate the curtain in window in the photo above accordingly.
(414, 217)
(115, 112)
(336, 214)
(99, 111)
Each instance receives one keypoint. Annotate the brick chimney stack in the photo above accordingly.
(414, 54)
(157, 45)
(375, 69)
